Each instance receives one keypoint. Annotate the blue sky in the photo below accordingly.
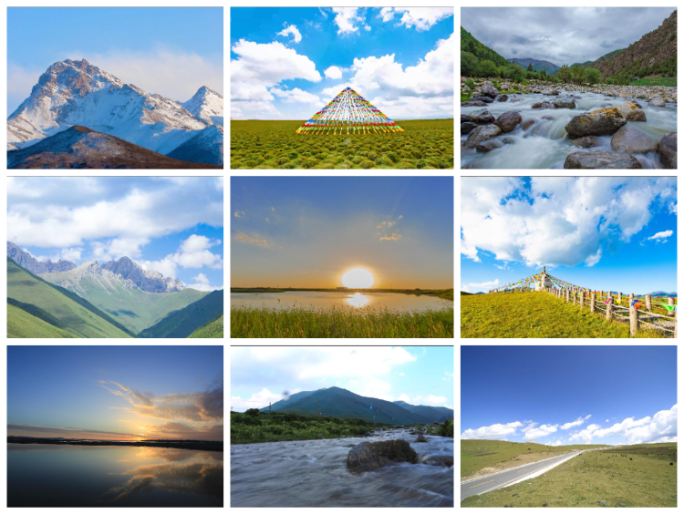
(287, 63)
(606, 233)
(416, 375)
(168, 51)
(569, 394)
(115, 392)
(305, 231)
(170, 225)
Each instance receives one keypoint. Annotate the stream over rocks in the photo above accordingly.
(315, 474)
(542, 129)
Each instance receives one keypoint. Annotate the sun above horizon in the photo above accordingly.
(358, 278)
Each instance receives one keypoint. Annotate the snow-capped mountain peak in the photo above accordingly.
(78, 93)
(206, 105)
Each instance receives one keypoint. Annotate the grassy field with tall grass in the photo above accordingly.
(254, 426)
(656, 81)
(300, 322)
(628, 476)
(535, 314)
(480, 454)
(424, 144)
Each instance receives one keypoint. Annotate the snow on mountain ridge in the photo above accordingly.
(79, 93)
(206, 105)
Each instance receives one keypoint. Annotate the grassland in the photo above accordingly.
(22, 324)
(57, 306)
(446, 294)
(210, 330)
(255, 322)
(480, 456)
(424, 144)
(254, 426)
(535, 314)
(656, 81)
(631, 476)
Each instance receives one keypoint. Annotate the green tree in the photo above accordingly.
(580, 76)
(542, 74)
(593, 75)
(515, 73)
(486, 68)
(564, 74)
(468, 64)
(529, 67)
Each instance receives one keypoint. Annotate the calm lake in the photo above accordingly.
(314, 474)
(355, 302)
(47, 475)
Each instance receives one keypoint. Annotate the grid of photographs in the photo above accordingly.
(343, 212)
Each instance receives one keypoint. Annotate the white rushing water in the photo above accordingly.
(545, 144)
(314, 474)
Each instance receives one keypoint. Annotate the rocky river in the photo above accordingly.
(568, 126)
(314, 474)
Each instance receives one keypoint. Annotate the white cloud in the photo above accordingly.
(663, 425)
(481, 287)
(174, 74)
(423, 90)
(401, 374)
(347, 19)
(559, 220)
(239, 214)
(557, 443)
(437, 401)
(579, 421)
(260, 67)
(202, 283)
(295, 95)
(532, 431)
(422, 18)
(194, 253)
(333, 72)
(256, 401)
(165, 266)
(291, 30)
(496, 431)
(661, 235)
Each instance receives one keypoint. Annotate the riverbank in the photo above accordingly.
(210, 446)
(555, 126)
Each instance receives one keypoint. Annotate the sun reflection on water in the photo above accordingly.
(358, 300)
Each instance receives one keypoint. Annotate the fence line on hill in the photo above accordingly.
(612, 308)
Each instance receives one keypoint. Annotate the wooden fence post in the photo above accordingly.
(619, 297)
(631, 298)
(633, 321)
(592, 303)
(581, 299)
(648, 302)
(609, 310)
(567, 295)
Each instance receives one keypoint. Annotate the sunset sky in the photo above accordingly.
(307, 231)
(115, 392)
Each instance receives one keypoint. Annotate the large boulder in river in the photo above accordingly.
(490, 91)
(667, 149)
(631, 111)
(657, 101)
(543, 105)
(630, 139)
(602, 122)
(488, 146)
(599, 160)
(485, 99)
(468, 127)
(508, 120)
(502, 98)
(564, 103)
(372, 456)
(471, 103)
(464, 118)
(527, 124)
(482, 133)
(585, 141)
(482, 116)
(446, 461)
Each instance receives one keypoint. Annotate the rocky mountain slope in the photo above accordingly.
(146, 280)
(81, 147)
(654, 53)
(77, 93)
(206, 147)
(27, 261)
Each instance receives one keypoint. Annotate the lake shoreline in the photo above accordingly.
(212, 446)
(446, 294)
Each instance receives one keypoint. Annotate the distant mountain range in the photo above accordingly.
(78, 94)
(537, 65)
(115, 299)
(341, 403)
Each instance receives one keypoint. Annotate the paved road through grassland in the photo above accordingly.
(509, 476)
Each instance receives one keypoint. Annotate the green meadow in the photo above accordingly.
(480, 454)
(212, 329)
(628, 476)
(656, 81)
(424, 144)
(535, 314)
(300, 322)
